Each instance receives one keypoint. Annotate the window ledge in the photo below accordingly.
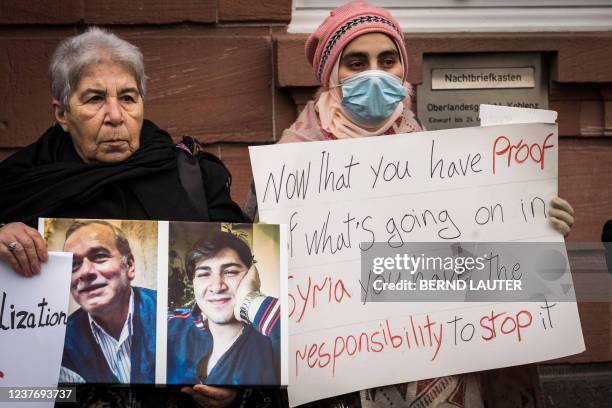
(479, 19)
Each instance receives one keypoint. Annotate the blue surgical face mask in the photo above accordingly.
(370, 97)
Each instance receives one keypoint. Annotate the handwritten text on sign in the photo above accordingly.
(338, 198)
(32, 324)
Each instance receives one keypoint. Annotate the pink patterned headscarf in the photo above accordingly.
(343, 25)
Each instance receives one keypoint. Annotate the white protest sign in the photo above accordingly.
(33, 313)
(474, 184)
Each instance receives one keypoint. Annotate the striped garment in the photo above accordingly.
(117, 352)
(66, 375)
(267, 320)
(253, 359)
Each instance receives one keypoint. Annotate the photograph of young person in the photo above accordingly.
(231, 334)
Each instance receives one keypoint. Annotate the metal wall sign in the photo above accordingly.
(482, 78)
(455, 84)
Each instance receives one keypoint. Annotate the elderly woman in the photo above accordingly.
(359, 57)
(104, 160)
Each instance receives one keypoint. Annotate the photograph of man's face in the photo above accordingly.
(111, 328)
(215, 282)
(223, 304)
(101, 273)
(110, 256)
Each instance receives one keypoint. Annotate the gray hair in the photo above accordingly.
(121, 241)
(94, 46)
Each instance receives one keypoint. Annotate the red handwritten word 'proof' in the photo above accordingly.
(520, 152)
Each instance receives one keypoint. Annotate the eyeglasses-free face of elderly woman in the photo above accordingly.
(104, 114)
(98, 87)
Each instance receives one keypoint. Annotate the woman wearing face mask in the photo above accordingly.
(359, 57)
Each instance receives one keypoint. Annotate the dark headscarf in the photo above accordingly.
(48, 178)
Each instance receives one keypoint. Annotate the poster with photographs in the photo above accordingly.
(173, 302)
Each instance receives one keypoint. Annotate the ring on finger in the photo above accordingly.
(12, 246)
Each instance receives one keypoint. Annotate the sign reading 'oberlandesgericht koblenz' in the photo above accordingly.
(454, 85)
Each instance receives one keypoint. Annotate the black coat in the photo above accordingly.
(49, 179)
